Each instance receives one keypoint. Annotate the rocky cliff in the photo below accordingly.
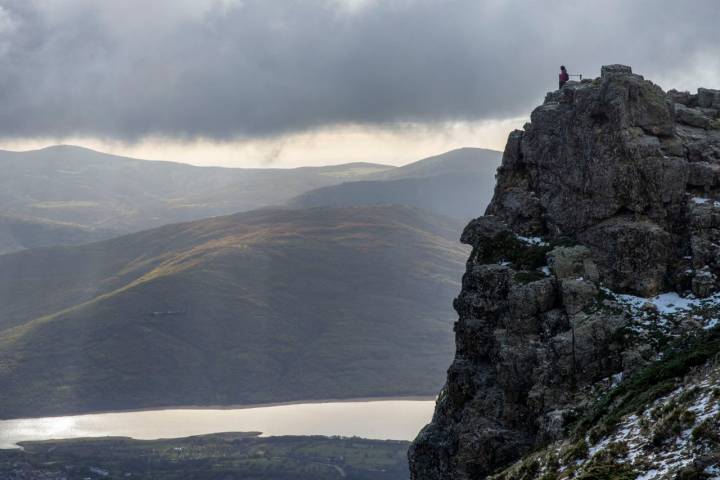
(590, 293)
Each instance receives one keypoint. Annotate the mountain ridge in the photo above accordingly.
(103, 156)
(102, 195)
(451, 184)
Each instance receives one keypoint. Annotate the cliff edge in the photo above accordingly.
(594, 266)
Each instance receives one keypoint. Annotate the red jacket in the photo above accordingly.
(564, 77)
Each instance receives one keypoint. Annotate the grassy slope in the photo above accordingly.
(20, 232)
(654, 417)
(256, 307)
(209, 457)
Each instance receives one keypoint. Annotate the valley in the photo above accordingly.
(264, 306)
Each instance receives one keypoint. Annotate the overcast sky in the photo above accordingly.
(286, 82)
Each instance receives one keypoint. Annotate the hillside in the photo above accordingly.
(452, 184)
(88, 189)
(19, 233)
(263, 306)
(455, 195)
(589, 317)
(479, 161)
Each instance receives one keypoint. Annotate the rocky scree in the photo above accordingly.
(608, 197)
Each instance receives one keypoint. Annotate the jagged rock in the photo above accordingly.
(616, 69)
(633, 255)
(529, 300)
(704, 283)
(683, 98)
(572, 262)
(594, 354)
(611, 159)
(553, 322)
(704, 230)
(577, 294)
(692, 116)
(708, 98)
(483, 229)
(700, 145)
(626, 173)
(703, 174)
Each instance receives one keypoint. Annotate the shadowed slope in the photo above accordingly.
(256, 307)
(456, 184)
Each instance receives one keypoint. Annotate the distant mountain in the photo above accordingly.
(478, 161)
(91, 190)
(459, 184)
(268, 305)
(66, 195)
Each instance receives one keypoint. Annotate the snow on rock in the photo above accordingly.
(537, 241)
(703, 201)
(653, 456)
(666, 303)
(666, 311)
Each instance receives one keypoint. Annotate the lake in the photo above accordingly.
(375, 419)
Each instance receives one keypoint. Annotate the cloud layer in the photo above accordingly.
(225, 69)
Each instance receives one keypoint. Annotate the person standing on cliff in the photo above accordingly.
(564, 77)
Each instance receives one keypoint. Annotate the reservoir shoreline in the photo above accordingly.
(386, 418)
(241, 406)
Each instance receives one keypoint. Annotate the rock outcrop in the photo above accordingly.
(613, 187)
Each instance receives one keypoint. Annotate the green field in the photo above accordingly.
(209, 457)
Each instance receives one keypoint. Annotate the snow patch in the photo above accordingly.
(703, 201)
(537, 241)
(659, 311)
(666, 303)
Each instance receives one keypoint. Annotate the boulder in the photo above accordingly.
(708, 98)
(615, 69)
(632, 256)
(527, 300)
(573, 262)
(577, 294)
(683, 98)
(483, 229)
(703, 174)
(692, 116)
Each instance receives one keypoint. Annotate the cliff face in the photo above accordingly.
(606, 197)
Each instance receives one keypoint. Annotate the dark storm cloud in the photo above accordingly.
(127, 69)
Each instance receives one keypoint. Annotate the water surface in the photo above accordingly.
(375, 419)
